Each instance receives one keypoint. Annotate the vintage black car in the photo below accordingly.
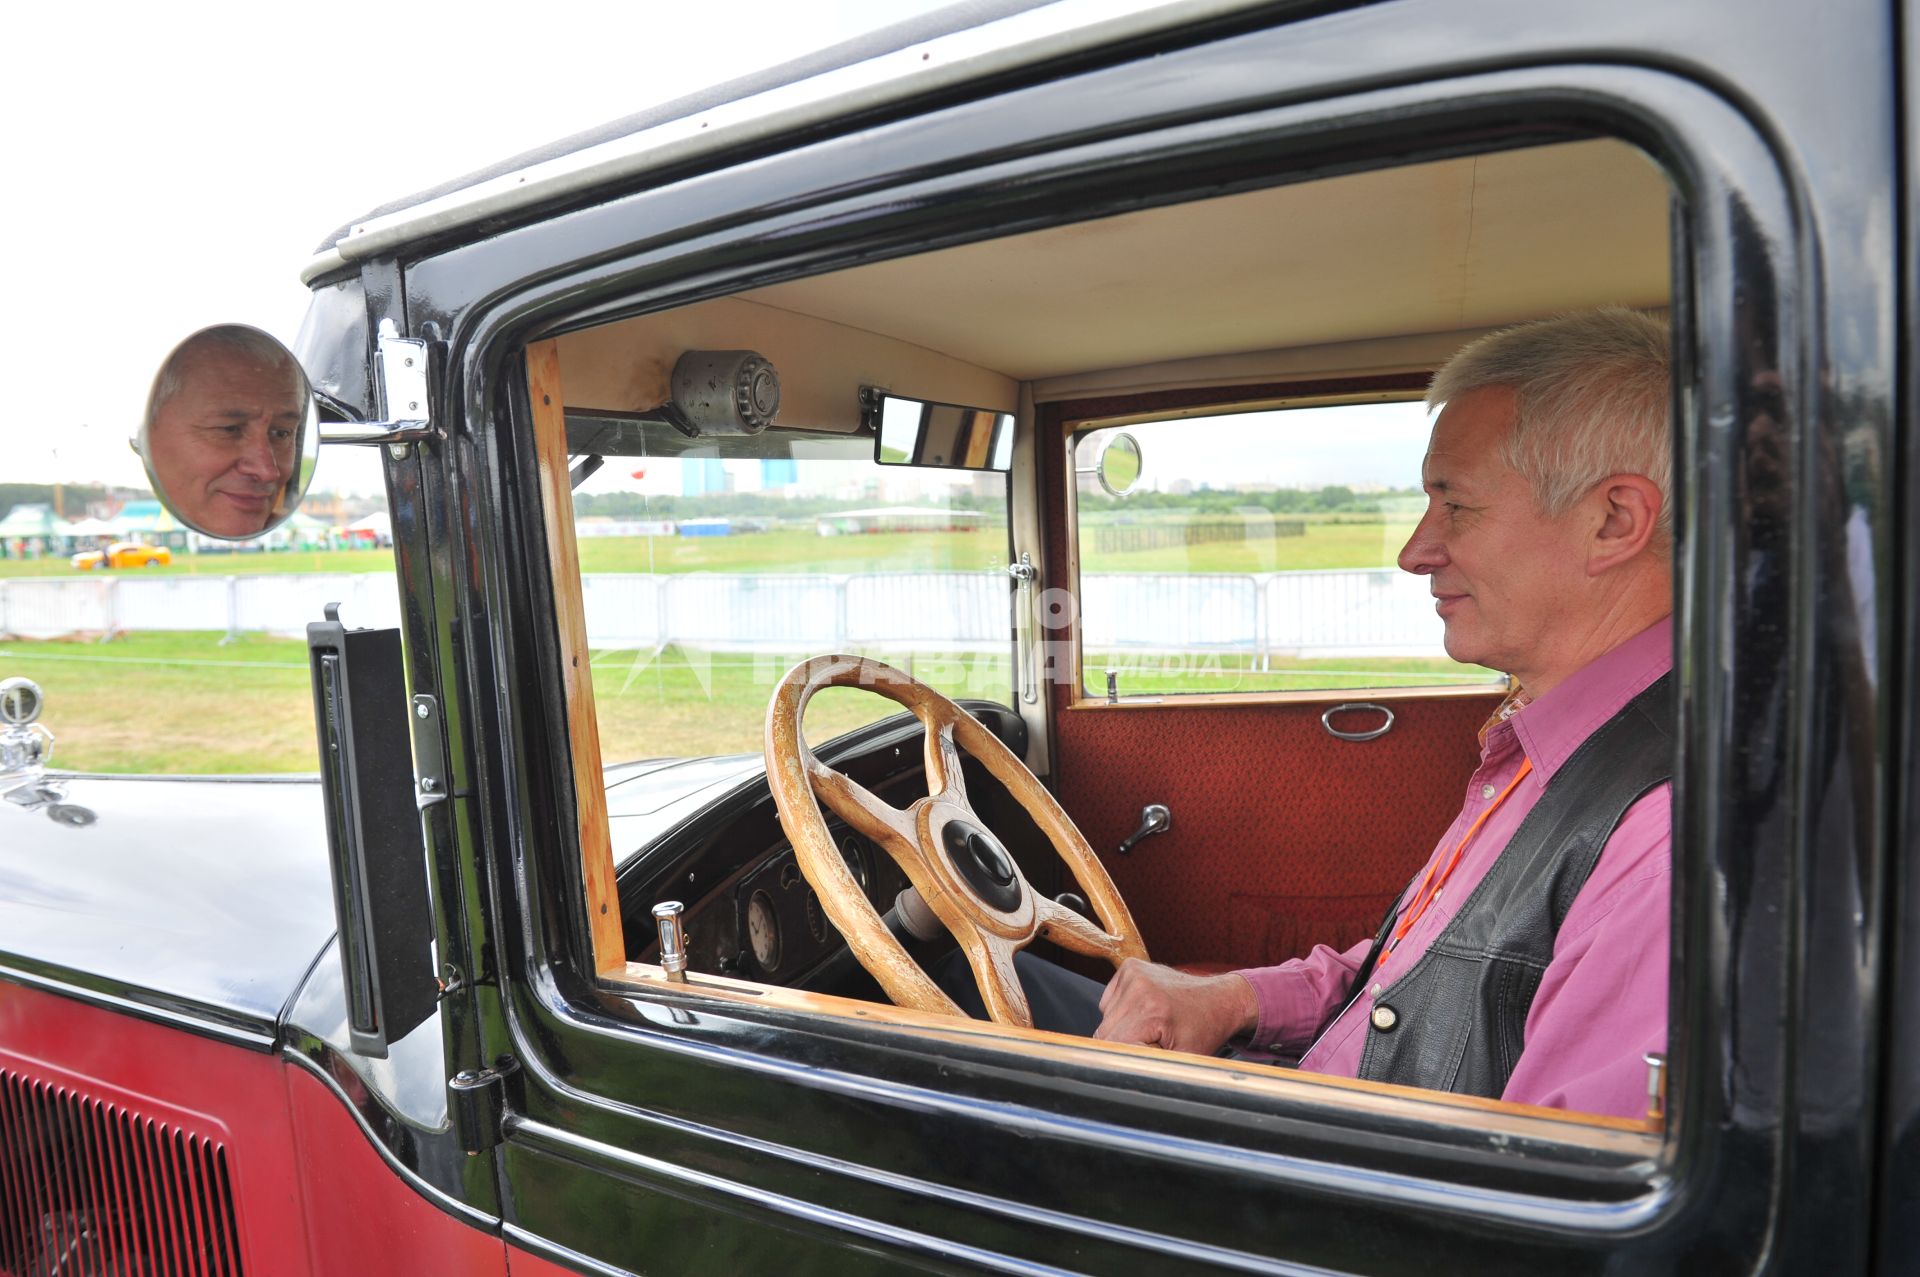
(417, 1015)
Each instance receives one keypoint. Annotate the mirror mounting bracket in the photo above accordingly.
(402, 363)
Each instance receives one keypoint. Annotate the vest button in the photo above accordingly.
(1384, 1018)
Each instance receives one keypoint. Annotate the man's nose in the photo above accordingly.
(257, 459)
(1424, 551)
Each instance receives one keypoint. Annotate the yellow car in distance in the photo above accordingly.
(123, 554)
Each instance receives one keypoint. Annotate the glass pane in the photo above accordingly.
(1256, 553)
(708, 576)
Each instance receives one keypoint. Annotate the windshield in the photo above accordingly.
(710, 567)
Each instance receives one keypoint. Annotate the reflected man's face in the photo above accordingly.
(224, 445)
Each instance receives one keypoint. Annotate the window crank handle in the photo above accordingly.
(1154, 819)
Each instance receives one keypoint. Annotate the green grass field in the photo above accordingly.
(1326, 544)
(187, 704)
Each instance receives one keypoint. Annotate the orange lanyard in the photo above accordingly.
(1430, 888)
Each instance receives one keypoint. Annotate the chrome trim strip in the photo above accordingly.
(1019, 40)
(143, 1009)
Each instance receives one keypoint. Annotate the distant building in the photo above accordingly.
(898, 518)
(702, 476)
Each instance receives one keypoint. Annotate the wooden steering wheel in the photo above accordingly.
(961, 871)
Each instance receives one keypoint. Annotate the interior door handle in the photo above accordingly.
(1154, 819)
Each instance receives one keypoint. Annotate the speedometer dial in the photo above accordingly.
(763, 931)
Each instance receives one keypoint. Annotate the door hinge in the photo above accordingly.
(478, 1104)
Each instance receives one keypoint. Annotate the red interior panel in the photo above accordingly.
(1282, 837)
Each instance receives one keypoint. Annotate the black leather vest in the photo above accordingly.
(1456, 1019)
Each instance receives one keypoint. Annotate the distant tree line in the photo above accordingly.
(636, 505)
(1332, 499)
(74, 497)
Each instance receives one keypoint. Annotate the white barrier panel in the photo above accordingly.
(780, 612)
(1330, 613)
(1380, 612)
(1170, 611)
(43, 608)
(175, 603)
(956, 609)
(625, 609)
(285, 604)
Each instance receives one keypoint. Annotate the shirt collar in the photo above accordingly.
(1552, 727)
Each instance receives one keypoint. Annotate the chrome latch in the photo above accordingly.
(1154, 819)
(673, 940)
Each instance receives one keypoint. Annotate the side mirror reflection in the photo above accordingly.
(1110, 458)
(229, 439)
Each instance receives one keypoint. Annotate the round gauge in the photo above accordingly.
(816, 918)
(763, 931)
(856, 857)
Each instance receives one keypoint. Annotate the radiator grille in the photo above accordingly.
(91, 1189)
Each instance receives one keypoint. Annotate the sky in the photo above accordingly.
(172, 170)
(172, 167)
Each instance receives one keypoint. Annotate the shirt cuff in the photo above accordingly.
(1290, 1004)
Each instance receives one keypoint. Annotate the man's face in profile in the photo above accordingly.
(225, 443)
(1504, 576)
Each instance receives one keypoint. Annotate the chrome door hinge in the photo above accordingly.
(478, 1103)
(401, 365)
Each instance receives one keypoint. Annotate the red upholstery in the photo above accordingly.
(1282, 836)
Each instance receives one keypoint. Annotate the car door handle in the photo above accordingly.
(1154, 819)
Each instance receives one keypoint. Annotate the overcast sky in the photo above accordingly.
(170, 170)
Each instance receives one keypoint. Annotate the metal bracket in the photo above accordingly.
(402, 365)
(479, 1104)
(427, 754)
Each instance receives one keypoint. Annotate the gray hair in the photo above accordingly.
(239, 338)
(1593, 393)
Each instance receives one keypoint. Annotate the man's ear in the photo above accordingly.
(1629, 507)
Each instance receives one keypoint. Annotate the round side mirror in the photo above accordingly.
(1119, 465)
(229, 438)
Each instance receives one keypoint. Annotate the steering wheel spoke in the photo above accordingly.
(859, 806)
(991, 958)
(944, 778)
(1070, 931)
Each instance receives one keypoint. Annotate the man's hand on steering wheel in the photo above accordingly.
(1159, 1006)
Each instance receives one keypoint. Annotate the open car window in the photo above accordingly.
(707, 576)
(1254, 553)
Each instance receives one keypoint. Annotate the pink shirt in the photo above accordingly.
(1602, 1003)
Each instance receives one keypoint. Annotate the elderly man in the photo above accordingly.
(1528, 959)
(222, 435)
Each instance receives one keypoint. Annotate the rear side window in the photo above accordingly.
(1255, 552)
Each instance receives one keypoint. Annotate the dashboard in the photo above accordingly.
(705, 832)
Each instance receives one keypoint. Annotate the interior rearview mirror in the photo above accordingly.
(229, 438)
(915, 432)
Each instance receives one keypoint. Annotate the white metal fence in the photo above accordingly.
(1320, 613)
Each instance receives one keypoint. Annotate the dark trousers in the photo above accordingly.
(1062, 1001)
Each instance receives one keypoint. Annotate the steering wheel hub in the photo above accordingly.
(984, 863)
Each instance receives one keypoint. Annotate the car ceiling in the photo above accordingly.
(1461, 244)
(1386, 270)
